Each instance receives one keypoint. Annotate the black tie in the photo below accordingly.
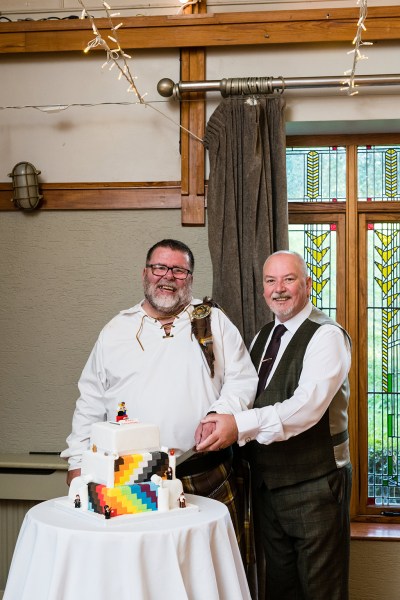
(269, 357)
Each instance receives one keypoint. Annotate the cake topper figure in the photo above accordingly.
(121, 414)
(107, 512)
(77, 501)
(182, 500)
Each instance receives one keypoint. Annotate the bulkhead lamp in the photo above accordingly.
(26, 194)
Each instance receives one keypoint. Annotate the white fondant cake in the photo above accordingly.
(125, 472)
(124, 438)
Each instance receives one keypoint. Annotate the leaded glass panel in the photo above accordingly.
(316, 174)
(317, 245)
(383, 241)
(378, 173)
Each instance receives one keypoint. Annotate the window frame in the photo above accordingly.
(352, 218)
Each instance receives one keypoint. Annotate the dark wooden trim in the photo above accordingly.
(101, 196)
(320, 208)
(205, 30)
(370, 139)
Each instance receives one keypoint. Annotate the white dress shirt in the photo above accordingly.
(325, 367)
(162, 380)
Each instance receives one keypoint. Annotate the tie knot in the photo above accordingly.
(278, 332)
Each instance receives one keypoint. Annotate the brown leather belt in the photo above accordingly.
(203, 461)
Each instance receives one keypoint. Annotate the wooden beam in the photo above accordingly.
(193, 116)
(101, 196)
(192, 149)
(205, 30)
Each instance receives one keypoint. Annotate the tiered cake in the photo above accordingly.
(125, 472)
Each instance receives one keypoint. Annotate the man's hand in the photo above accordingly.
(72, 474)
(224, 433)
(203, 431)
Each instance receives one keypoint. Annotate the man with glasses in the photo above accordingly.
(171, 360)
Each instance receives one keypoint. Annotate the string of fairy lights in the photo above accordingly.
(117, 58)
(349, 83)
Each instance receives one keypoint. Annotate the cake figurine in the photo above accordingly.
(182, 500)
(77, 501)
(121, 414)
(107, 512)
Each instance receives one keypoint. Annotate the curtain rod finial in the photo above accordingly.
(165, 87)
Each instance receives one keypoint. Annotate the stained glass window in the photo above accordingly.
(317, 244)
(324, 235)
(316, 174)
(378, 173)
(383, 363)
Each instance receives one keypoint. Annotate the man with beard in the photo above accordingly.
(297, 440)
(171, 360)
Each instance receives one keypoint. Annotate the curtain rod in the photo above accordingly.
(265, 85)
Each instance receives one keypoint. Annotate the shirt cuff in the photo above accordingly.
(247, 424)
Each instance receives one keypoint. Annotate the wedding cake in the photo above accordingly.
(125, 472)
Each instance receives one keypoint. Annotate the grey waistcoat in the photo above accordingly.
(317, 451)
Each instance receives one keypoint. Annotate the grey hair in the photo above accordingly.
(299, 257)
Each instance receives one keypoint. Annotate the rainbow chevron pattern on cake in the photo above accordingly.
(137, 468)
(123, 500)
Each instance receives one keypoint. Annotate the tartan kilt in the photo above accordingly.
(229, 482)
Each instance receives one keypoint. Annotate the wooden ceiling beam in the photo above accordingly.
(204, 30)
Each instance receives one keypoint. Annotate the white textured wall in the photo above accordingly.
(374, 570)
(105, 142)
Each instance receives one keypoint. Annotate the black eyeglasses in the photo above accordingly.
(161, 270)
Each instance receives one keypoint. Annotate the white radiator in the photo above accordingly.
(12, 513)
(25, 480)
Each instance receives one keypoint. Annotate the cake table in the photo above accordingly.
(63, 556)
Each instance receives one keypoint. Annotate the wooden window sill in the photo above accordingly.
(377, 532)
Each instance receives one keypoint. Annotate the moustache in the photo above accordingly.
(280, 297)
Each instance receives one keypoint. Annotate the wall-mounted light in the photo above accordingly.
(26, 194)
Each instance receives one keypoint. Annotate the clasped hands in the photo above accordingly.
(216, 432)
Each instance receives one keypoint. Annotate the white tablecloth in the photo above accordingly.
(64, 556)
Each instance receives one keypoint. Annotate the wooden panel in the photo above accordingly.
(351, 324)
(82, 196)
(202, 30)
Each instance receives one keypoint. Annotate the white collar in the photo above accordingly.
(294, 323)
